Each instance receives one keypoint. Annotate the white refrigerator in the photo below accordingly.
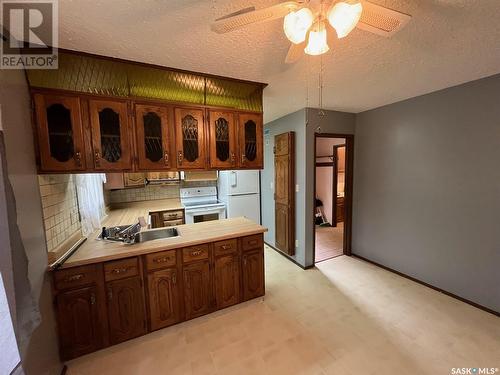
(240, 190)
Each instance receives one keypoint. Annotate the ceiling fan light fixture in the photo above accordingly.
(344, 17)
(317, 44)
(296, 25)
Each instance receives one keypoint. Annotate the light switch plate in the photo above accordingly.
(297, 188)
(272, 185)
(296, 243)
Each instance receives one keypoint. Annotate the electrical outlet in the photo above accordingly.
(296, 243)
(297, 188)
(272, 185)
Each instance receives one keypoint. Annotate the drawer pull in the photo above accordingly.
(118, 271)
(161, 260)
(74, 277)
(226, 247)
(196, 253)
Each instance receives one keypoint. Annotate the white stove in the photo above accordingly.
(201, 204)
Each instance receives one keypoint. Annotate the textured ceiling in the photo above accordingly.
(446, 43)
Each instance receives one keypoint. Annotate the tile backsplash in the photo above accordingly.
(60, 208)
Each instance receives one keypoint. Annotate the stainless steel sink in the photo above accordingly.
(157, 234)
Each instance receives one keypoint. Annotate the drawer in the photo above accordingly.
(190, 254)
(121, 269)
(76, 276)
(161, 259)
(171, 223)
(225, 247)
(252, 242)
(172, 215)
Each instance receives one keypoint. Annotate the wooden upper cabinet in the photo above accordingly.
(125, 309)
(59, 132)
(164, 298)
(250, 140)
(222, 140)
(78, 322)
(190, 138)
(227, 280)
(154, 131)
(111, 140)
(197, 289)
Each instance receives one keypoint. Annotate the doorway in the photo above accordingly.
(332, 196)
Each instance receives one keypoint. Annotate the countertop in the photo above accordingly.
(94, 251)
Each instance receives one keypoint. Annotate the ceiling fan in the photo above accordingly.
(311, 25)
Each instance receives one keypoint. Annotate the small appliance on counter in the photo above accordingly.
(240, 190)
(201, 204)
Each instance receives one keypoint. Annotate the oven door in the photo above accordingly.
(198, 215)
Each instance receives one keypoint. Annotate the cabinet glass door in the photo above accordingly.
(59, 132)
(190, 137)
(110, 135)
(153, 137)
(222, 140)
(250, 131)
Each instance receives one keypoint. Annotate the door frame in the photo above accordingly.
(348, 189)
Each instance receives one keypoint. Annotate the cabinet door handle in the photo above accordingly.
(174, 278)
(166, 158)
(243, 158)
(180, 156)
(233, 158)
(245, 260)
(72, 278)
(97, 158)
(92, 298)
(186, 281)
(110, 294)
(78, 158)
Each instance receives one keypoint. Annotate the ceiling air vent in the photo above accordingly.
(381, 21)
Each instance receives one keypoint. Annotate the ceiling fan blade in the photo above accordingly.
(250, 15)
(380, 20)
(295, 52)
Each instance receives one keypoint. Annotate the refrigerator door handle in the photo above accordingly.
(234, 179)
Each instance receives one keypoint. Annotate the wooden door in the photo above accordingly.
(253, 274)
(222, 142)
(125, 309)
(284, 196)
(227, 280)
(60, 132)
(78, 322)
(154, 132)
(197, 287)
(190, 138)
(164, 304)
(250, 140)
(111, 141)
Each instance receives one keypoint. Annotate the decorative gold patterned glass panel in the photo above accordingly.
(250, 140)
(109, 122)
(152, 137)
(190, 138)
(60, 133)
(222, 139)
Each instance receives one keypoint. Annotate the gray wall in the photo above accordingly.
(427, 189)
(331, 122)
(38, 351)
(292, 122)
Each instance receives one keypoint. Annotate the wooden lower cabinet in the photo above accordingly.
(108, 303)
(253, 274)
(125, 309)
(197, 289)
(227, 280)
(164, 298)
(78, 318)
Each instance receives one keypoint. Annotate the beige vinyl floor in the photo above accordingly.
(344, 317)
(329, 242)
